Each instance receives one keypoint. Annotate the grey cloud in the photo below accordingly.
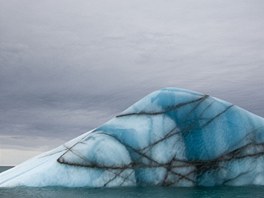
(69, 66)
(19, 143)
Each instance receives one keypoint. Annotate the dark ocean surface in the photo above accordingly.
(131, 192)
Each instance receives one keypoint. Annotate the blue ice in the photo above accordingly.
(171, 137)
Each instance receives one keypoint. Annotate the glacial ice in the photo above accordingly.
(172, 137)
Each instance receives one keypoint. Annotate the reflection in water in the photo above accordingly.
(54, 192)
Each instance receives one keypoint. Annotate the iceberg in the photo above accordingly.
(171, 137)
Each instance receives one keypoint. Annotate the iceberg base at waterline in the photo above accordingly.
(171, 137)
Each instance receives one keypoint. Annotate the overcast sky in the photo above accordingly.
(67, 66)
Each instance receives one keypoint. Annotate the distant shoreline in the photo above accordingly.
(4, 168)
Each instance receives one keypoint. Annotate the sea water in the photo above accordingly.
(131, 192)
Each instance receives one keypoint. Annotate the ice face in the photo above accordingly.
(172, 137)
